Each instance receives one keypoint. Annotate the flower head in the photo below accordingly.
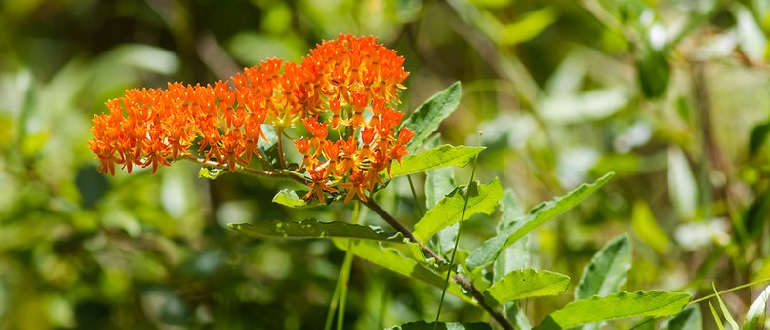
(349, 85)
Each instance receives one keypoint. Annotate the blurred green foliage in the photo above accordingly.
(671, 95)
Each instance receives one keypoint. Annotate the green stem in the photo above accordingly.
(240, 168)
(333, 303)
(729, 290)
(345, 272)
(414, 195)
(457, 237)
(341, 289)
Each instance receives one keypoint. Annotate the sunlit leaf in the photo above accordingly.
(616, 306)
(209, 173)
(525, 283)
(717, 319)
(312, 228)
(607, 270)
(150, 58)
(682, 188)
(394, 261)
(289, 197)
(34, 143)
(725, 312)
(689, 319)
(757, 311)
(442, 156)
(518, 255)
(490, 249)
(439, 183)
(422, 325)
(585, 106)
(751, 38)
(530, 25)
(426, 119)
(646, 227)
(481, 199)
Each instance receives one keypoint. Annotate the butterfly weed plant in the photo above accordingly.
(339, 107)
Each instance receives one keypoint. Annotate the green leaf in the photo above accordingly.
(525, 283)
(481, 199)
(758, 137)
(607, 270)
(488, 251)
(210, 174)
(571, 108)
(615, 306)
(438, 183)
(288, 197)
(653, 71)
(717, 319)
(751, 38)
(757, 311)
(426, 119)
(726, 313)
(529, 26)
(682, 187)
(312, 228)
(518, 255)
(646, 227)
(442, 156)
(34, 143)
(393, 260)
(689, 319)
(422, 325)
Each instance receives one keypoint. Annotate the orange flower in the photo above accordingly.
(338, 84)
(356, 186)
(318, 185)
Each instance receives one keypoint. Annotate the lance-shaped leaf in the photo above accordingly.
(422, 325)
(607, 270)
(689, 318)
(481, 199)
(525, 283)
(728, 317)
(439, 183)
(615, 306)
(518, 255)
(490, 249)
(757, 311)
(426, 119)
(439, 157)
(312, 228)
(605, 273)
(395, 261)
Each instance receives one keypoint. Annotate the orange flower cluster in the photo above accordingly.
(346, 85)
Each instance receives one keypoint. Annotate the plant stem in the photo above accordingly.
(393, 222)
(459, 232)
(458, 278)
(240, 168)
(414, 195)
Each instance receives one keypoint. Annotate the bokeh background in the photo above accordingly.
(671, 95)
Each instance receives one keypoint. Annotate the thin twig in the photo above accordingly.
(240, 168)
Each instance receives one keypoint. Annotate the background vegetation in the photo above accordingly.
(671, 95)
